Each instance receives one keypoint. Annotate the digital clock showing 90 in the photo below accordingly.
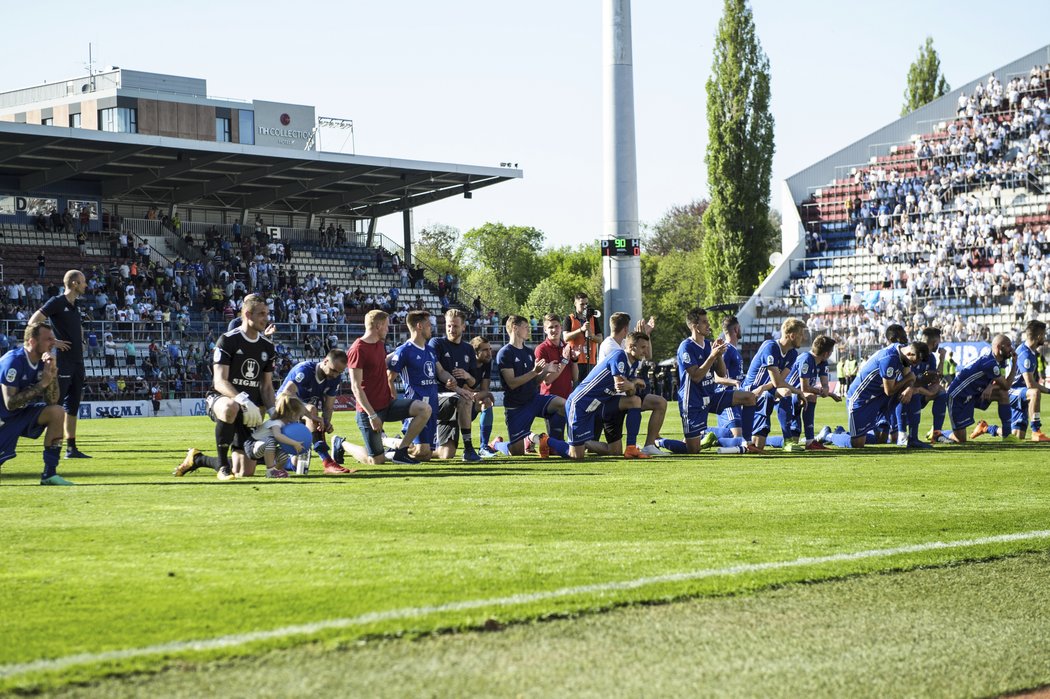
(621, 247)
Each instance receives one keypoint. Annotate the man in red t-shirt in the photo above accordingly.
(376, 403)
(556, 352)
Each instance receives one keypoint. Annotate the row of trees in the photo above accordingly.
(710, 251)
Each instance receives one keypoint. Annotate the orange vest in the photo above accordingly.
(588, 350)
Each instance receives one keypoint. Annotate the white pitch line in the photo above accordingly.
(512, 600)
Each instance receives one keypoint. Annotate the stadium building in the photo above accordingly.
(203, 187)
(938, 218)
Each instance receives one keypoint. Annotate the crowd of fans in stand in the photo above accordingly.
(935, 238)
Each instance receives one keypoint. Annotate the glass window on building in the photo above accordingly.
(118, 120)
(222, 130)
(74, 121)
(246, 124)
(47, 121)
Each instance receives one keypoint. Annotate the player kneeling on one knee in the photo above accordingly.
(604, 397)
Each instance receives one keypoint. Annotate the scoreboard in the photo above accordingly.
(621, 247)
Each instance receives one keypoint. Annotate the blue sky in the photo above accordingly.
(489, 81)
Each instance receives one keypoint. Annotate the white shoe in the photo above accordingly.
(733, 450)
(824, 433)
(391, 442)
(653, 450)
(902, 440)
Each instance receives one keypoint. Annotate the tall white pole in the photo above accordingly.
(622, 273)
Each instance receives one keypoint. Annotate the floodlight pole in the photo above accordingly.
(622, 274)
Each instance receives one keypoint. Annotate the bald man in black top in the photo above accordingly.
(61, 311)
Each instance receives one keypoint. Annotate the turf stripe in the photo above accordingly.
(234, 640)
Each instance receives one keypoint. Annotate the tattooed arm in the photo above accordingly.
(15, 399)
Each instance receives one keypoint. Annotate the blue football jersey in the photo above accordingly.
(417, 367)
(17, 372)
(971, 379)
(691, 354)
(600, 384)
(807, 367)
(734, 363)
(1026, 362)
(455, 355)
(769, 356)
(520, 361)
(867, 387)
(304, 376)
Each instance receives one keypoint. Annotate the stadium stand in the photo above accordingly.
(951, 228)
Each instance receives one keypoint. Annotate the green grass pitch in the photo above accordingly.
(133, 558)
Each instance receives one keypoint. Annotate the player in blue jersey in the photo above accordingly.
(29, 380)
(520, 372)
(1026, 390)
(699, 363)
(767, 379)
(607, 393)
(885, 375)
(317, 384)
(416, 364)
(456, 413)
(926, 389)
(977, 385)
(890, 425)
(809, 374)
(935, 384)
(731, 332)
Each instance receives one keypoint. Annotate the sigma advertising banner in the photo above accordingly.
(115, 408)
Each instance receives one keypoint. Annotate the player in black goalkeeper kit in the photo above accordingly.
(242, 388)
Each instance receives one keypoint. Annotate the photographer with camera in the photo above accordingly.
(582, 331)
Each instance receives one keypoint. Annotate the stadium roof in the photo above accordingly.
(49, 160)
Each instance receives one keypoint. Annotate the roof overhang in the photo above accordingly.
(47, 160)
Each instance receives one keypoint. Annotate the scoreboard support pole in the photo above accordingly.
(621, 273)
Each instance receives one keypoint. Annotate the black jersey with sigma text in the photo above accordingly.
(248, 360)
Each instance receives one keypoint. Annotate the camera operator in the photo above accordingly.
(582, 331)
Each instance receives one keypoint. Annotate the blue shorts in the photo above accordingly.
(960, 411)
(694, 416)
(862, 418)
(1019, 408)
(24, 424)
(729, 419)
(519, 419)
(582, 418)
(395, 412)
(429, 433)
(763, 411)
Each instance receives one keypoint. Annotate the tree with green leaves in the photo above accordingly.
(437, 248)
(739, 158)
(680, 229)
(504, 263)
(925, 80)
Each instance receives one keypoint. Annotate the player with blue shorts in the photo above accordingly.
(1026, 391)
(605, 396)
(890, 426)
(731, 332)
(767, 380)
(976, 386)
(886, 374)
(316, 384)
(809, 375)
(699, 362)
(416, 364)
(520, 371)
(29, 382)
